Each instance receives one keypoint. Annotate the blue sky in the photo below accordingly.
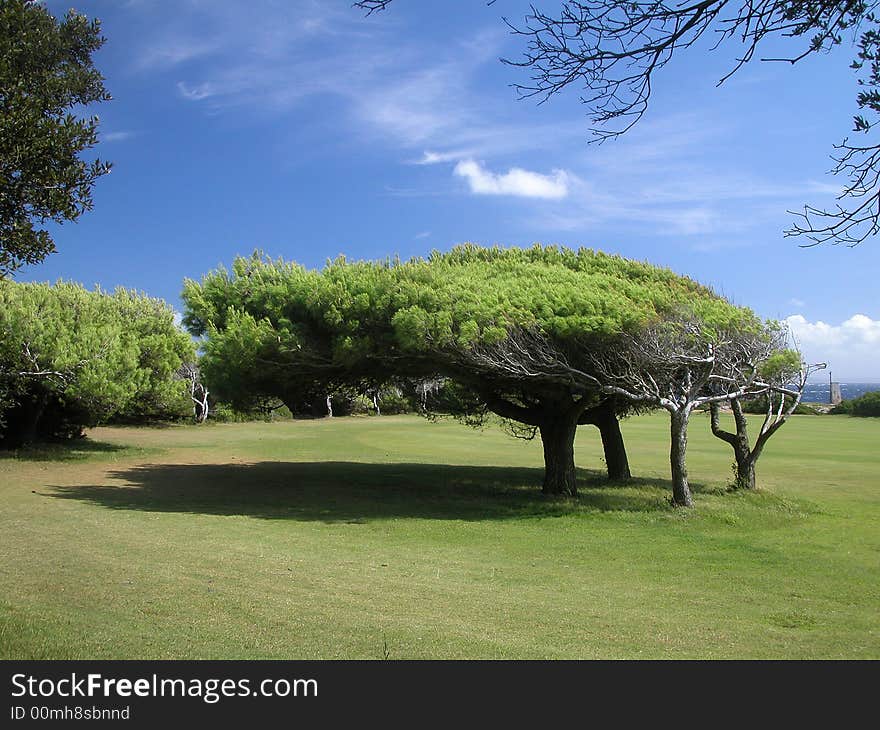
(306, 130)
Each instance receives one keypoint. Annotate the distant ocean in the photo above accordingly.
(818, 392)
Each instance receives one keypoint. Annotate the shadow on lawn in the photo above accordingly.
(71, 450)
(357, 492)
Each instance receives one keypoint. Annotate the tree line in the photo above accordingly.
(545, 339)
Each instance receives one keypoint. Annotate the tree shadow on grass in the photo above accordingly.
(72, 450)
(359, 492)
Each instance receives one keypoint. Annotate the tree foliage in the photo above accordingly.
(364, 316)
(70, 358)
(46, 77)
(518, 330)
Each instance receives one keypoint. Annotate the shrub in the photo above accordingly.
(759, 406)
(221, 412)
(867, 405)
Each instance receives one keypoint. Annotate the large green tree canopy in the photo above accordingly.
(285, 324)
(46, 76)
(497, 320)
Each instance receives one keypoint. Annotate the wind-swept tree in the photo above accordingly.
(486, 318)
(707, 353)
(784, 376)
(701, 356)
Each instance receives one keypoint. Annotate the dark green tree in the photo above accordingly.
(46, 76)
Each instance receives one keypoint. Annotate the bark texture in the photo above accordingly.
(560, 476)
(681, 491)
(605, 419)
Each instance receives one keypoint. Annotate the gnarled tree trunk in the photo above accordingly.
(557, 436)
(681, 491)
(739, 441)
(605, 419)
(557, 422)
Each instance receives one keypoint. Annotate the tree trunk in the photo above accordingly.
(559, 470)
(200, 403)
(24, 420)
(745, 472)
(681, 491)
(612, 443)
(739, 441)
(604, 417)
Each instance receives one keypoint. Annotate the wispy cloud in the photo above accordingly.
(170, 53)
(662, 179)
(516, 181)
(118, 136)
(404, 94)
(427, 104)
(199, 29)
(433, 158)
(198, 92)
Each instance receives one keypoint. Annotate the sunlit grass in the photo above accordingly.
(333, 538)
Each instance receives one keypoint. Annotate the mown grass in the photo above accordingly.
(335, 538)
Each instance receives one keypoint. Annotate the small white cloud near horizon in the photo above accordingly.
(516, 181)
(851, 349)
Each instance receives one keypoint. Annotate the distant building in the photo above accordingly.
(836, 397)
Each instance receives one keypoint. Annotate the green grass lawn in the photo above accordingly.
(341, 538)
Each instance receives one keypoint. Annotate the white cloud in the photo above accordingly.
(516, 181)
(425, 101)
(433, 158)
(668, 188)
(430, 158)
(116, 136)
(851, 348)
(412, 95)
(173, 53)
(196, 93)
